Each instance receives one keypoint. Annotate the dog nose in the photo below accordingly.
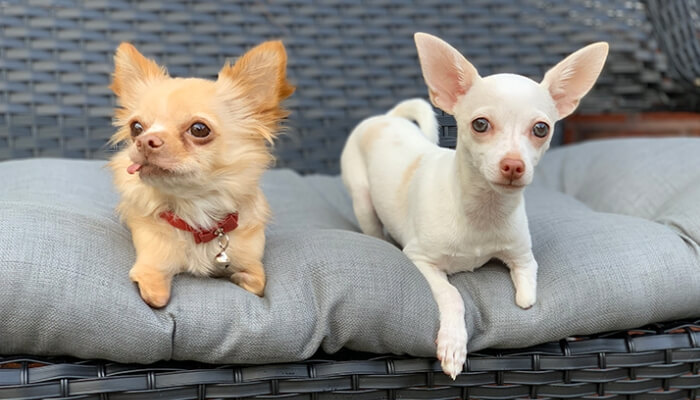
(512, 169)
(151, 142)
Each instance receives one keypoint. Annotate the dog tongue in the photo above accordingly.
(133, 168)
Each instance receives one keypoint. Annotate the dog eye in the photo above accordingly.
(480, 125)
(199, 130)
(136, 128)
(540, 129)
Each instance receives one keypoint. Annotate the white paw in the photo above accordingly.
(452, 349)
(525, 298)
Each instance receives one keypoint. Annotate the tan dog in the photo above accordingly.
(189, 174)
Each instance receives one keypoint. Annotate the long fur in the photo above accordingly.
(200, 181)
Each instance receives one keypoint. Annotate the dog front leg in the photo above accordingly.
(523, 272)
(154, 268)
(452, 334)
(246, 253)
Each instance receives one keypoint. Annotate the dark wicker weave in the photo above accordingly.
(656, 362)
(349, 59)
(677, 26)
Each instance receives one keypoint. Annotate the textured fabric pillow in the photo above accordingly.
(615, 227)
(64, 287)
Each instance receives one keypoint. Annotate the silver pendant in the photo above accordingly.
(222, 259)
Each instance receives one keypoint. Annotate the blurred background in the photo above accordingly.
(349, 59)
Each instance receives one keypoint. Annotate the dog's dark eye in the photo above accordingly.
(480, 125)
(136, 128)
(199, 130)
(540, 129)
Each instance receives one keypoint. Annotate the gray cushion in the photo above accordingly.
(64, 260)
(615, 227)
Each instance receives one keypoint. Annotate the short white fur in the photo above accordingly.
(454, 210)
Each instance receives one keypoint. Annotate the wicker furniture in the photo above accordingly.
(349, 60)
(655, 362)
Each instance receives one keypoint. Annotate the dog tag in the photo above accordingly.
(222, 259)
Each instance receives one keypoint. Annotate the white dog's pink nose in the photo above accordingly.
(512, 169)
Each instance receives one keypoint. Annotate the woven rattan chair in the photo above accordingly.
(349, 59)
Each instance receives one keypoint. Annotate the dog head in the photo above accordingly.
(505, 121)
(188, 130)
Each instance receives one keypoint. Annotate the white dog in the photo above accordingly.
(454, 210)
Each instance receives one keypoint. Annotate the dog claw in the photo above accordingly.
(154, 287)
(525, 300)
(452, 350)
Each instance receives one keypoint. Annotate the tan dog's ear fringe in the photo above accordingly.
(260, 76)
(132, 70)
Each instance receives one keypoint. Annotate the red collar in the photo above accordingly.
(226, 225)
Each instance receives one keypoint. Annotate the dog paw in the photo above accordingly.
(154, 287)
(452, 349)
(525, 298)
(254, 283)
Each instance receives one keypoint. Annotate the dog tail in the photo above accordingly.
(420, 111)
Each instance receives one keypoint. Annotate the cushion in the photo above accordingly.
(615, 227)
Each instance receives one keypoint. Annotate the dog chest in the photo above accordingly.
(200, 257)
(464, 260)
(469, 252)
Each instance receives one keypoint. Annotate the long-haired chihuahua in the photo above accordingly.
(189, 172)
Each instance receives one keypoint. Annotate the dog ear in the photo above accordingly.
(570, 80)
(447, 73)
(132, 73)
(261, 75)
